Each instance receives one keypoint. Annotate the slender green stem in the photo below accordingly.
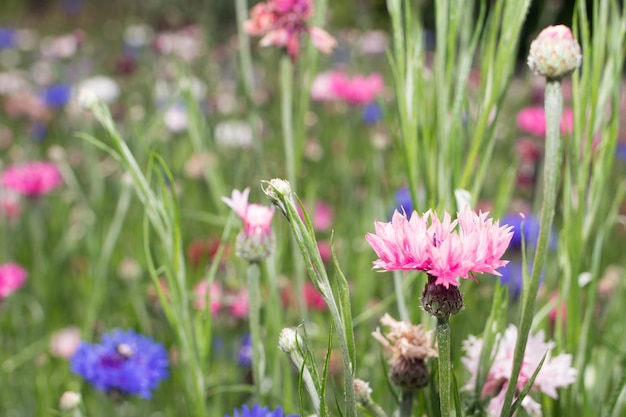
(406, 403)
(254, 314)
(553, 109)
(397, 284)
(286, 103)
(443, 344)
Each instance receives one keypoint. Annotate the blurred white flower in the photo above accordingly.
(233, 134)
(64, 342)
(63, 46)
(556, 371)
(12, 81)
(102, 87)
(373, 42)
(175, 118)
(138, 35)
(186, 43)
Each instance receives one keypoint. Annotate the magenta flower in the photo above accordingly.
(556, 372)
(359, 90)
(255, 242)
(12, 277)
(282, 23)
(428, 244)
(533, 120)
(32, 179)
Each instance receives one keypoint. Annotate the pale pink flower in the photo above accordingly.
(434, 246)
(63, 343)
(31, 179)
(255, 242)
(12, 277)
(321, 88)
(10, 203)
(556, 372)
(533, 120)
(214, 296)
(239, 303)
(358, 90)
(282, 23)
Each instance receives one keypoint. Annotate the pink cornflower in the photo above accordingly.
(313, 298)
(255, 242)
(533, 120)
(359, 90)
(32, 179)
(282, 23)
(556, 372)
(214, 296)
(431, 245)
(239, 303)
(12, 277)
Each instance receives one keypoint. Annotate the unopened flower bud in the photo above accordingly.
(409, 374)
(441, 302)
(555, 53)
(287, 341)
(362, 391)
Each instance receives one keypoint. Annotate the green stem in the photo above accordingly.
(286, 103)
(553, 108)
(254, 315)
(406, 403)
(443, 344)
(397, 284)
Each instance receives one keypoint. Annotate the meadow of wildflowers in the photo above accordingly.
(305, 208)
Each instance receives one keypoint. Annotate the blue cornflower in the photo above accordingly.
(244, 356)
(404, 202)
(513, 278)
(530, 225)
(258, 411)
(125, 361)
(371, 113)
(57, 95)
(7, 38)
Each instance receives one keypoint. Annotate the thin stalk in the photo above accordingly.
(254, 315)
(406, 403)
(286, 105)
(443, 344)
(398, 287)
(553, 109)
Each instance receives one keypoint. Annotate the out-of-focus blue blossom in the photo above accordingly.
(7, 38)
(371, 113)
(125, 361)
(244, 356)
(513, 278)
(72, 6)
(620, 151)
(38, 131)
(258, 411)
(404, 202)
(57, 95)
(530, 226)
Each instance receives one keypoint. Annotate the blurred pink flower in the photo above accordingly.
(313, 298)
(358, 90)
(64, 342)
(431, 245)
(556, 372)
(255, 242)
(12, 277)
(321, 88)
(10, 203)
(239, 304)
(282, 22)
(533, 120)
(323, 216)
(215, 296)
(31, 179)
(325, 251)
